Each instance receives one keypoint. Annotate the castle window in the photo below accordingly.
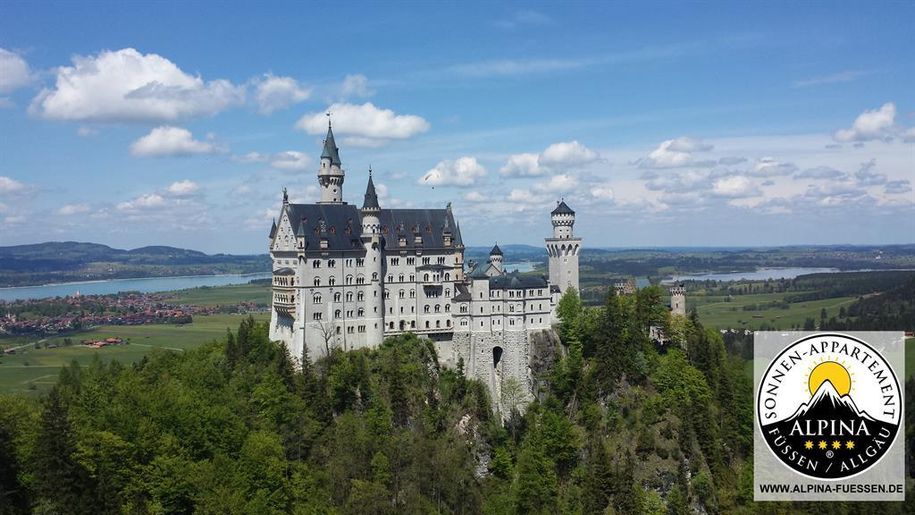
(360, 262)
(400, 278)
(331, 263)
(391, 310)
(464, 323)
(391, 326)
(463, 308)
(390, 278)
(427, 324)
(441, 260)
(426, 308)
(438, 324)
(374, 276)
(349, 296)
(317, 281)
(349, 313)
(412, 324)
(349, 330)
(401, 310)
(360, 313)
(337, 313)
(539, 293)
(360, 296)
(448, 292)
(412, 294)
(316, 263)
(332, 281)
(317, 316)
(426, 277)
(339, 329)
(438, 308)
(411, 261)
(511, 309)
(412, 278)
(316, 299)
(401, 294)
(361, 328)
(447, 323)
(360, 280)
(426, 260)
(349, 279)
(395, 261)
(447, 308)
(447, 276)
(337, 297)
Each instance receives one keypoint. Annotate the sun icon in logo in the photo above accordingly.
(833, 372)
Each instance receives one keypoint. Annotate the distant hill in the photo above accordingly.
(55, 261)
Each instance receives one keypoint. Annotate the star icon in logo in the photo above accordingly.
(822, 444)
(808, 444)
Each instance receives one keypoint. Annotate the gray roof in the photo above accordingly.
(496, 251)
(371, 198)
(463, 294)
(330, 148)
(284, 271)
(516, 281)
(273, 229)
(563, 209)
(341, 225)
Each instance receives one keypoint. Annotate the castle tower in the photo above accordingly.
(373, 242)
(563, 248)
(330, 175)
(678, 300)
(495, 258)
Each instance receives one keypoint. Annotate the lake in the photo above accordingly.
(155, 284)
(760, 274)
(145, 285)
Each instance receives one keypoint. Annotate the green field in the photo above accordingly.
(223, 295)
(31, 370)
(718, 312)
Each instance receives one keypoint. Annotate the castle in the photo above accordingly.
(347, 277)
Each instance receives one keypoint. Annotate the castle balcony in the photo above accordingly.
(284, 301)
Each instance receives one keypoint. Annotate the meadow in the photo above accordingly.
(33, 370)
(720, 312)
(223, 295)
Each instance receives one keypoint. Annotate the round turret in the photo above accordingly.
(563, 219)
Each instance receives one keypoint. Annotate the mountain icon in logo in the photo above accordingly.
(827, 403)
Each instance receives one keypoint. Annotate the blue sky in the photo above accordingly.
(662, 124)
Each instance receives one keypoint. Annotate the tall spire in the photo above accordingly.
(330, 147)
(371, 198)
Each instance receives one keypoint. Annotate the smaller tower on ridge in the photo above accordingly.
(678, 300)
(373, 242)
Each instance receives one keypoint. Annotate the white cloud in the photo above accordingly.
(10, 185)
(867, 176)
(523, 165)
(558, 183)
(356, 85)
(571, 153)
(554, 158)
(510, 67)
(602, 191)
(897, 187)
(290, 160)
(675, 153)
(820, 172)
(843, 76)
(184, 188)
(736, 186)
(143, 202)
(128, 86)
(74, 209)
(170, 141)
(86, 132)
(871, 125)
(365, 124)
(14, 71)
(464, 171)
(475, 196)
(273, 93)
(252, 157)
(909, 135)
(770, 167)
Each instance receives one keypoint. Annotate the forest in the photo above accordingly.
(620, 425)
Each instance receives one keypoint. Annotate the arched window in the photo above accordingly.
(412, 324)
(360, 280)
(316, 263)
(349, 279)
(427, 324)
(317, 281)
(426, 277)
(400, 278)
(316, 299)
(412, 294)
(349, 296)
(360, 312)
(391, 278)
(387, 294)
(360, 296)
(438, 308)
(448, 323)
(448, 292)
(337, 297)
(332, 281)
(401, 294)
(332, 263)
(447, 308)
(337, 313)
(438, 323)
(447, 276)
(426, 308)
